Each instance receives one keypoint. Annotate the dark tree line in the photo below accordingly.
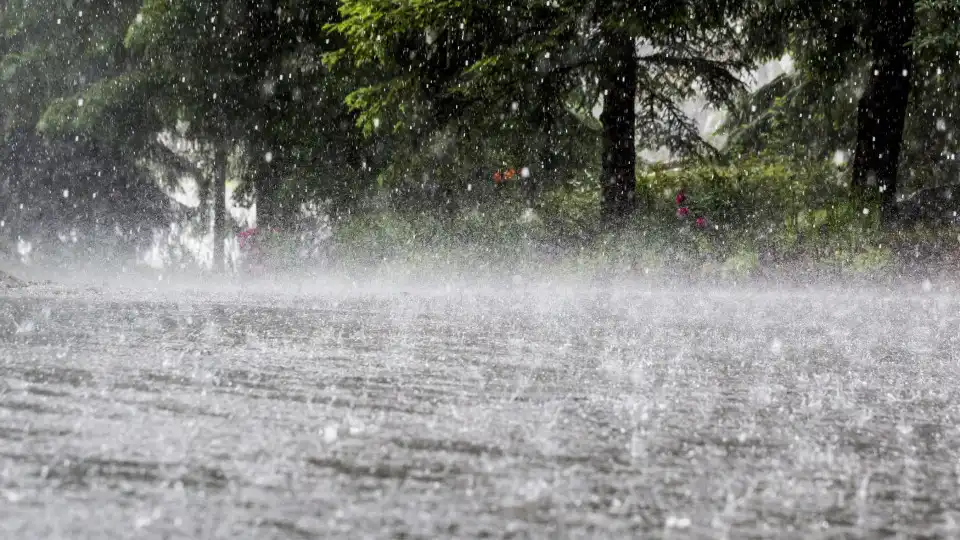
(332, 101)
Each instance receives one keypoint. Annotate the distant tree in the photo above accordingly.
(243, 79)
(78, 190)
(498, 63)
(874, 80)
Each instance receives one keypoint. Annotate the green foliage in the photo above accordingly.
(754, 193)
(764, 215)
(797, 115)
(522, 79)
(51, 49)
(783, 208)
(415, 104)
(812, 112)
(70, 171)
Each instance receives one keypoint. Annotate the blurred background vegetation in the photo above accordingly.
(458, 133)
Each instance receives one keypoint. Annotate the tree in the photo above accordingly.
(877, 87)
(243, 79)
(247, 74)
(475, 63)
(60, 188)
(882, 109)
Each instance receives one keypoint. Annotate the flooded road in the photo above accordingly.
(534, 412)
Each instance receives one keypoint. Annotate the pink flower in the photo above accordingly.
(701, 222)
(243, 236)
(681, 197)
(682, 211)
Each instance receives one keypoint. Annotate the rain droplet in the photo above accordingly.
(674, 522)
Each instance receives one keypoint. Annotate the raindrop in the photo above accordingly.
(674, 522)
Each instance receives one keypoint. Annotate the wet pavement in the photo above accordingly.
(543, 412)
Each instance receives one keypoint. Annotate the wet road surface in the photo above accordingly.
(534, 412)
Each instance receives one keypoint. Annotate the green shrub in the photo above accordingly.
(761, 214)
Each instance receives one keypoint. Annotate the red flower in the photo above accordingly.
(497, 177)
(244, 236)
(701, 222)
(682, 211)
(510, 173)
(681, 197)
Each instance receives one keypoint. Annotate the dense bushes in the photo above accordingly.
(760, 216)
(774, 212)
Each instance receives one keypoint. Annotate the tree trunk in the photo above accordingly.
(540, 174)
(219, 205)
(618, 82)
(882, 108)
(267, 184)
